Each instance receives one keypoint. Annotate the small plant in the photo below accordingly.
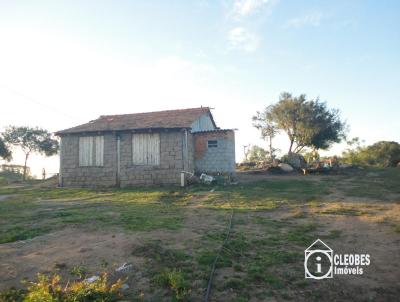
(104, 263)
(175, 281)
(51, 290)
(79, 271)
(234, 284)
(12, 295)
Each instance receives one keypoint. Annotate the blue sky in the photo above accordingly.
(67, 62)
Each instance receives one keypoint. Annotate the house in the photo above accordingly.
(145, 148)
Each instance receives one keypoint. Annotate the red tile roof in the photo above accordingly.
(181, 118)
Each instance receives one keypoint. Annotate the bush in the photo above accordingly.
(7, 177)
(380, 154)
(285, 159)
(175, 281)
(51, 290)
(258, 154)
(12, 295)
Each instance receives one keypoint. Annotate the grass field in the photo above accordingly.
(172, 236)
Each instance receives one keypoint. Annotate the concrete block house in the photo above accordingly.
(145, 149)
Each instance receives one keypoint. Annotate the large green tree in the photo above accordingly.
(325, 126)
(308, 123)
(31, 140)
(5, 152)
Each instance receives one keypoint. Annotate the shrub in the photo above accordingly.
(258, 154)
(51, 290)
(175, 281)
(12, 295)
(78, 271)
(7, 177)
(284, 159)
(380, 154)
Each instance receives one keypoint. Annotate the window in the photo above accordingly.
(91, 151)
(212, 144)
(146, 149)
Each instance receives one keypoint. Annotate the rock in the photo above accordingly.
(297, 161)
(285, 167)
(124, 268)
(92, 279)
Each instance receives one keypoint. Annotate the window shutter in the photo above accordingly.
(81, 151)
(91, 151)
(99, 147)
(137, 149)
(153, 149)
(85, 151)
(146, 149)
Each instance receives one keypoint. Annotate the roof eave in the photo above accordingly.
(66, 132)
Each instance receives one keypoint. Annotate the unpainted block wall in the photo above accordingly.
(172, 155)
(213, 160)
(171, 162)
(72, 175)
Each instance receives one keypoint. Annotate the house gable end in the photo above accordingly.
(204, 123)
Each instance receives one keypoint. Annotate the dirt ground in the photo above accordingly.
(104, 249)
(62, 250)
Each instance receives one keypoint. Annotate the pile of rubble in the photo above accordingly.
(294, 162)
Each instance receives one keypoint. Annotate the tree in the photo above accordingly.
(352, 152)
(246, 150)
(383, 154)
(269, 130)
(257, 154)
(326, 128)
(31, 140)
(380, 154)
(307, 123)
(5, 152)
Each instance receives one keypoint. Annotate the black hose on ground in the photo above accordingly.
(217, 258)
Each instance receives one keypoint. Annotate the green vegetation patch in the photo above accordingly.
(16, 233)
(175, 281)
(52, 289)
(33, 212)
(265, 195)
